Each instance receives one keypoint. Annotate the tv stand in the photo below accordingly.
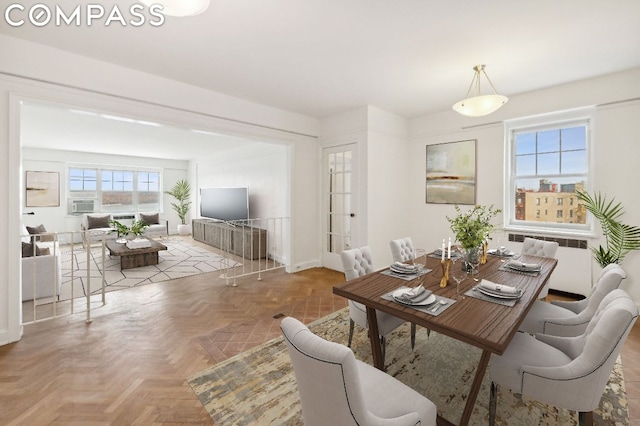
(242, 240)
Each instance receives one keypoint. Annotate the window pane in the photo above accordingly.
(525, 143)
(574, 138)
(574, 162)
(549, 141)
(526, 165)
(548, 164)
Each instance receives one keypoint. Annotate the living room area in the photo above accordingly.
(95, 172)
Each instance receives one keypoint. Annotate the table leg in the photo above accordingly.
(374, 337)
(475, 387)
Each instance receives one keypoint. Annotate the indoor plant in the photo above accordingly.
(181, 191)
(472, 229)
(620, 238)
(137, 228)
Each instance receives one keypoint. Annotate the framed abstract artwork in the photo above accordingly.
(451, 173)
(42, 189)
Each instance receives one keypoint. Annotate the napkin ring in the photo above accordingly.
(446, 264)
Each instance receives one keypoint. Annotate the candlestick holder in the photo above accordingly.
(483, 257)
(446, 264)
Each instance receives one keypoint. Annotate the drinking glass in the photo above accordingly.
(419, 258)
(458, 274)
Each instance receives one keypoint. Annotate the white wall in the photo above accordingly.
(264, 170)
(41, 74)
(57, 219)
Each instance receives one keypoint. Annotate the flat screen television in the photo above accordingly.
(224, 203)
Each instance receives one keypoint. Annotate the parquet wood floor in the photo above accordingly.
(128, 367)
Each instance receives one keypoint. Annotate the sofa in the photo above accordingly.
(41, 265)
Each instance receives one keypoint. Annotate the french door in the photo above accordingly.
(340, 202)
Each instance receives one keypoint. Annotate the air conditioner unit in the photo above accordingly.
(82, 206)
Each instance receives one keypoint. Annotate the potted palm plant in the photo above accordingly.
(620, 238)
(181, 191)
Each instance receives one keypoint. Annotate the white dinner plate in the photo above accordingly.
(499, 295)
(428, 301)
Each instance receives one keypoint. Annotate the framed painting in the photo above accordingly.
(451, 173)
(42, 189)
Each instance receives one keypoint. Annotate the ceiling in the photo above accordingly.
(322, 57)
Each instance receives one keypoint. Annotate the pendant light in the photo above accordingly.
(475, 103)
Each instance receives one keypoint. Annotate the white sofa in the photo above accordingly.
(44, 270)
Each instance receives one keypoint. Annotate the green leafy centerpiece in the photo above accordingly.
(472, 229)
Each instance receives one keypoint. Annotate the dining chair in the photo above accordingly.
(337, 389)
(357, 262)
(402, 249)
(568, 372)
(540, 248)
(570, 318)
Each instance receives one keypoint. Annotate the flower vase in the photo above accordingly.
(471, 258)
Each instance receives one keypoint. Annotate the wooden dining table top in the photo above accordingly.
(481, 323)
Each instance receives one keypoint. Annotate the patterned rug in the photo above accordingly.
(181, 259)
(258, 387)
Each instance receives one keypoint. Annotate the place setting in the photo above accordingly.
(496, 293)
(513, 265)
(409, 271)
(420, 298)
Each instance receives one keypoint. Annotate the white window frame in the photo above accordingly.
(97, 194)
(580, 116)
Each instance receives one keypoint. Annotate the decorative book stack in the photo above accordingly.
(138, 243)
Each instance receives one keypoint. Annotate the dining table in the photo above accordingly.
(465, 314)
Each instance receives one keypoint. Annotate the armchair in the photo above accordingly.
(156, 227)
(563, 318)
(337, 389)
(402, 249)
(95, 226)
(357, 262)
(540, 248)
(569, 372)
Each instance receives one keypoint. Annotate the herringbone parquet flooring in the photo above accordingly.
(129, 366)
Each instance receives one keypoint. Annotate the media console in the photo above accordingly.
(241, 240)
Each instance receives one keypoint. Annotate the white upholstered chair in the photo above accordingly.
(95, 226)
(357, 262)
(568, 372)
(337, 389)
(402, 249)
(156, 227)
(564, 318)
(540, 248)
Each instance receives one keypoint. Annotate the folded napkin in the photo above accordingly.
(498, 288)
(524, 266)
(412, 295)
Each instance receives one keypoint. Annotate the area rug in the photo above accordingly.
(181, 259)
(258, 387)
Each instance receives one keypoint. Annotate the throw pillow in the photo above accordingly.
(150, 219)
(94, 222)
(40, 229)
(27, 250)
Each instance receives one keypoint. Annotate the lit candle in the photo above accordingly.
(442, 249)
(449, 247)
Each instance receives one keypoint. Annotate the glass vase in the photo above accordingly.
(471, 259)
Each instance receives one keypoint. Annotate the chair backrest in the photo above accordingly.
(357, 262)
(402, 249)
(535, 247)
(579, 384)
(608, 281)
(327, 378)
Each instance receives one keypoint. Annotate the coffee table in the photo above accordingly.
(135, 258)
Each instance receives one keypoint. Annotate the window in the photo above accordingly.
(549, 160)
(115, 190)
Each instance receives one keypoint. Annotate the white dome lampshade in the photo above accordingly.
(180, 7)
(477, 104)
